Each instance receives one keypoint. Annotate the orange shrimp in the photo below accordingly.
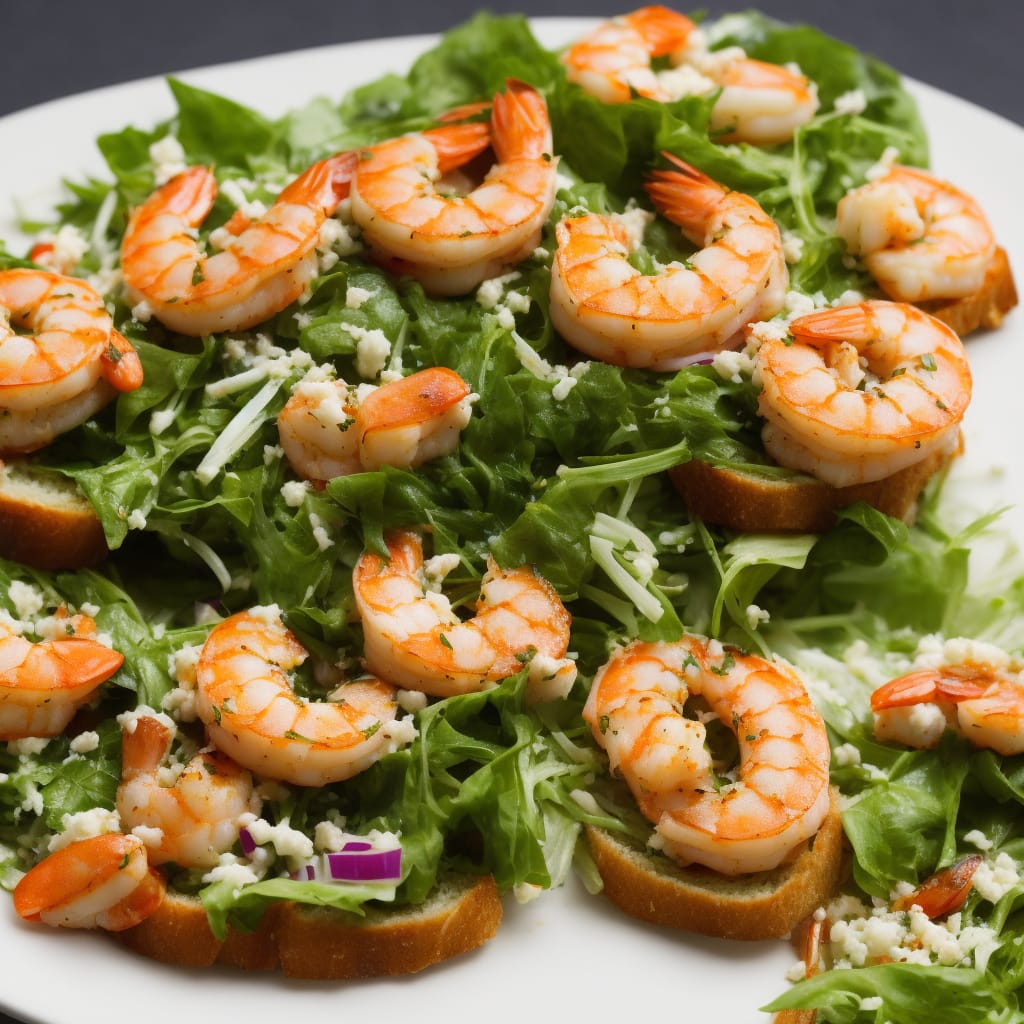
(447, 240)
(983, 703)
(860, 392)
(253, 714)
(263, 268)
(329, 429)
(43, 684)
(195, 818)
(102, 882)
(64, 372)
(780, 799)
(414, 638)
(921, 238)
(757, 102)
(606, 308)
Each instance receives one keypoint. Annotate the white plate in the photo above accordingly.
(566, 952)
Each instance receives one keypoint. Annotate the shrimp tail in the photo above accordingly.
(144, 747)
(457, 144)
(325, 184)
(520, 124)
(684, 196)
(120, 363)
(73, 662)
(924, 687)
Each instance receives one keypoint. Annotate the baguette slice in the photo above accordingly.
(45, 521)
(323, 943)
(766, 905)
(984, 309)
(742, 501)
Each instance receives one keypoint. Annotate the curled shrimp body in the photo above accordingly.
(613, 62)
(102, 882)
(328, 429)
(192, 820)
(253, 714)
(68, 368)
(608, 309)
(263, 268)
(983, 703)
(860, 392)
(449, 241)
(414, 638)
(921, 238)
(43, 684)
(780, 798)
(757, 102)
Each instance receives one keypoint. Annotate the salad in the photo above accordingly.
(562, 466)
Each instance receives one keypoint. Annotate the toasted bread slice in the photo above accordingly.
(984, 309)
(765, 905)
(45, 521)
(801, 504)
(320, 942)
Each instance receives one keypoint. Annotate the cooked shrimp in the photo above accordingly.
(194, 819)
(613, 62)
(983, 703)
(102, 882)
(860, 392)
(414, 638)
(263, 268)
(608, 309)
(921, 238)
(67, 369)
(780, 798)
(449, 241)
(43, 684)
(758, 102)
(253, 714)
(329, 429)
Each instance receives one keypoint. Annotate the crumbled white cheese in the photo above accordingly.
(356, 296)
(411, 700)
(85, 742)
(136, 519)
(28, 746)
(84, 825)
(142, 311)
(128, 720)
(287, 841)
(320, 535)
(436, 569)
(993, 880)
(400, 732)
(168, 157)
(852, 102)
(231, 869)
(294, 492)
(845, 754)
(27, 599)
(978, 839)
(755, 615)
(792, 246)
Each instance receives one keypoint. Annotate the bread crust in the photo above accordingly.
(742, 501)
(986, 308)
(766, 905)
(323, 943)
(46, 522)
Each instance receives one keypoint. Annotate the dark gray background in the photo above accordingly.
(967, 47)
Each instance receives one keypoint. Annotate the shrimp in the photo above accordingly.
(101, 882)
(448, 241)
(193, 820)
(781, 797)
(921, 238)
(263, 267)
(414, 638)
(757, 102)
(860, 392)
(253, 714)
(67, 369)
(613, 62)
(43, 684)
(329, 429)
(983, 703)
(608, 309)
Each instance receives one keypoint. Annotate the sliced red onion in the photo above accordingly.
(356, 847)
(307, 873)
(246, 841)
(364, 866)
